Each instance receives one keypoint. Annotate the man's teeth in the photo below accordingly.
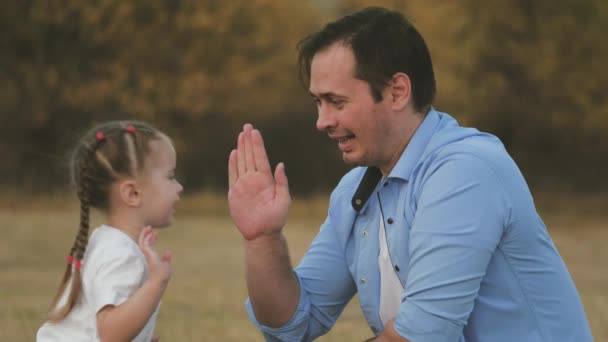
(344, 139)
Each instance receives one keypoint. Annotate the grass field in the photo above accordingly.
(204, 301)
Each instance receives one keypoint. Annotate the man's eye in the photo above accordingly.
(337, 102)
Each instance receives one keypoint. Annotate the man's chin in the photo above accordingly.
(350, 160)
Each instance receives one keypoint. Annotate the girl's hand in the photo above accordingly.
(159, 267)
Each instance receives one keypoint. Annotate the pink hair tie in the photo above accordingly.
(100, 136)
(73, 261)
(131, 129)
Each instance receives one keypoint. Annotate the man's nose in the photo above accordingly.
(326, 118)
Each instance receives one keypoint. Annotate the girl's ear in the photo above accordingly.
(129, 192)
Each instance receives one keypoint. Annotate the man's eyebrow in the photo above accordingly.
(326, 95)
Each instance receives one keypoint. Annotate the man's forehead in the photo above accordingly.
(331, 68)
(337, 53)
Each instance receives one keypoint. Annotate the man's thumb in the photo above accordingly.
(281, 180)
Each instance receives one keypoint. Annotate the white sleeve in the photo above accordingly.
(119, 274)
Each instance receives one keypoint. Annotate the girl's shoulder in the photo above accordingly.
(108, 236)
(107, 242)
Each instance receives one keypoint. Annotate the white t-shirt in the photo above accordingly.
(112, 270)
(391, 289)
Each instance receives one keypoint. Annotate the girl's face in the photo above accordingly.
(160, 189)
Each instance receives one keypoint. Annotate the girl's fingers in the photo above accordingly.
(143, 234)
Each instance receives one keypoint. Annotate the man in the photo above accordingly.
(434, 228)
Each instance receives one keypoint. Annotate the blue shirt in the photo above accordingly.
(464, 237)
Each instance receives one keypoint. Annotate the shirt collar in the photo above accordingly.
(415, 148)
(405, 165)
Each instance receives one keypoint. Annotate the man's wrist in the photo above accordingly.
(265, 240)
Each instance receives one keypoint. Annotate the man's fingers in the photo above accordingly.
(249, 159)
(233, 172)
(241, 166)
(259, 152)
(280, 179)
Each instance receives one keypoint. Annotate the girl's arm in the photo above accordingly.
(125, 321)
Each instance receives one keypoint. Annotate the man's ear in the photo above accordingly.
(400, 89)
(130, 194)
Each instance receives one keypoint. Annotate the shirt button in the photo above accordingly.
(385, 183)
(374, 329)
(362, 281)
(397, 268)
(364, 234)
(358, 201)
(390, 220)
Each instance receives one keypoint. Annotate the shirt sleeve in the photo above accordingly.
(461, 211)
(326, 286)
(118, 276)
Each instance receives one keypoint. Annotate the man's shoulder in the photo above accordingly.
(465, 144)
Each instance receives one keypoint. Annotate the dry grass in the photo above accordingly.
(205, 299)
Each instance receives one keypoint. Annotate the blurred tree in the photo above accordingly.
(530, 72)
(182, 65)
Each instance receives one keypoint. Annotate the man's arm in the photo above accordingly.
(273, 288)
(259, 205)
(462, 209)
(286, 305)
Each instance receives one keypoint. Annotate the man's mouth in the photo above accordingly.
(344, 142)
(344, 139)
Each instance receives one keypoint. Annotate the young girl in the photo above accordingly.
(114, 281)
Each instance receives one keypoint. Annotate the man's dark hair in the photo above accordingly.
(384, 42)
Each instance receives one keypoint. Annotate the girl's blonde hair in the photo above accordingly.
(108, 152)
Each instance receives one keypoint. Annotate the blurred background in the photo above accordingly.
(531, 72)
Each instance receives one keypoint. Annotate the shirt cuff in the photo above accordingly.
(418, 325)
(296, 329)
